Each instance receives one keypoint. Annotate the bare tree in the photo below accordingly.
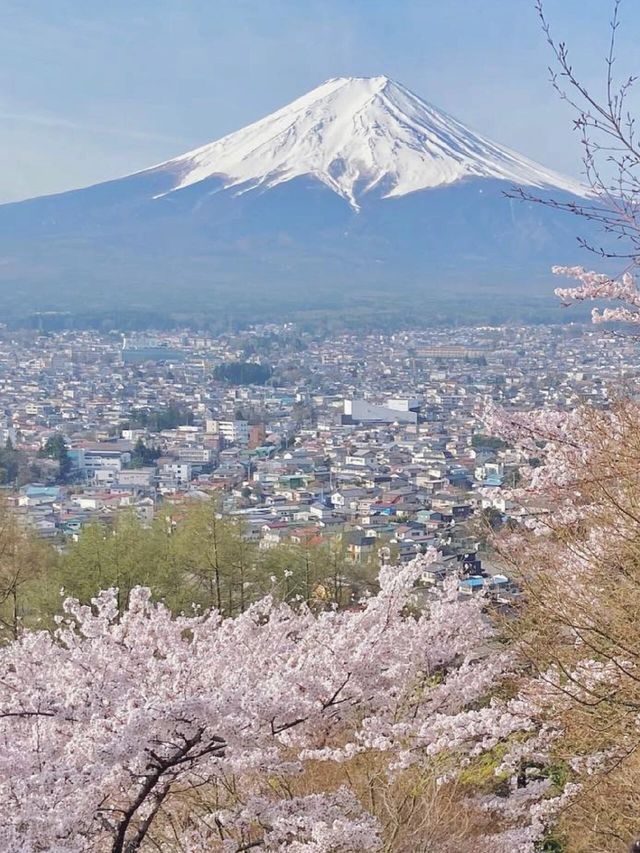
(611, 149)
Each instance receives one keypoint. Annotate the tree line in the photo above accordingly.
(194, 558)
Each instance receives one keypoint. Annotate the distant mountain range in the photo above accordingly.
(357, 196)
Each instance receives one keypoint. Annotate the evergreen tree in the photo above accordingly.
(9, 463)
(142, 455)
(56, 448)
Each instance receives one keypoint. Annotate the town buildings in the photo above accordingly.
(373, 441)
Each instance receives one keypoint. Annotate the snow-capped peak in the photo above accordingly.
(355, 134)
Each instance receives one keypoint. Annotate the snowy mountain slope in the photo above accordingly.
(356, 134)
(358, 193)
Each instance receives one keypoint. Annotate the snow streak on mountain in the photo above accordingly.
(356, 134)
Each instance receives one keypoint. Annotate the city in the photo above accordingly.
(375, 442)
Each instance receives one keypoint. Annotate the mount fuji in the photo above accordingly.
(356, 135)
(359, 193)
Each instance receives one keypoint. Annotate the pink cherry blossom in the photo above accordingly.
(599, 286)
(108, 722)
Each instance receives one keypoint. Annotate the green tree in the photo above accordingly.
(142, 455)
(56, 448)
(488, 442)
(160, 419)
(243, 373)
(9, 463)
(123, 556)
(27, 595)
(218, 562)
(316, 571)
(207, 560)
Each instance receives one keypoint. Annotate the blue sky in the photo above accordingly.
(93, 89)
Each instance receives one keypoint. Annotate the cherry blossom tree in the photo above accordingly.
(145, 731)
(576, 556)
(575, 550)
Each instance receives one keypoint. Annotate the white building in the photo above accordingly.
(360, 411)
(175, 474)
(142, 477)
(195, 455)
(234, 432)
(103, 465)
